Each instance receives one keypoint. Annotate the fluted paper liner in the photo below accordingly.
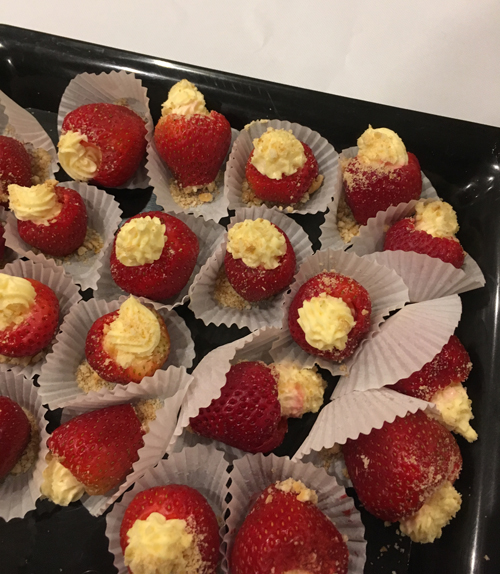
(189, 439)
(9, 255)
(110, 88)
(103, 214)
(254, 473)
(209, 235)
(65, 290)
(201, 467)
(18, 494)
(265, 313)
(324, 152)
(58, 385)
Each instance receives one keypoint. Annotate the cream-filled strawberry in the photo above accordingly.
(50, 217)
(15, 434)
(128, 344)
(154, 255)
(15, 166)
(260, 260)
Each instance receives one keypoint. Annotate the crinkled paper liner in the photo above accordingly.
(103, 214)
(254, 473)
(387, 293)
(62, 284)
(209, 235)
(18, 494)
(201, 467)
(58, 385)
(265, 313)
(161, 177)
(324, 152)
(110, 88)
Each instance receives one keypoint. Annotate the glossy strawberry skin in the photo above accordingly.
(282, 534)
(175, 501)
(368, 190)
(15, 432)
(15, 165)
(247, 415)
(335, 285)
(193, 147)
(38, 328)
(403, 236)
(395, 469)
(120, 135)
(99, 447)
(166, 276)
(65, 233)
(290, 188)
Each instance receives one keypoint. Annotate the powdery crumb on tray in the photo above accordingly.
(346, 224)
(146, 411)
(225, 295)
(23, 361)
(92, 245)
(40, 166)
(195, 195)
(88, 380)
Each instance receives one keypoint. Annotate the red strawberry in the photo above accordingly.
(2, 242)
(336, 285)
(169, 274)
(15, 432)
(282, 534)
(15, 166)
(369, 190)
(290, 188)
(193, 147)
(178, 502)
(38, 327)
(119, 134)
(99, 447)
(247, 415)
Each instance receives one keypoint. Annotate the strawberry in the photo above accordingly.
(176, 502)
(369, 190)
(38, 327)
(99, 447)
(166, 276)
(2, 242)
(354, 295)
(194, 146)
(15, 432)
(247, 415)
(117, 132)
(281, 534)
(15, 166)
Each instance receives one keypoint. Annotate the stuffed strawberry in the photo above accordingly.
(430, 232)
(15, 433)
(286, 532)
(154, 255)
(15, 166)
(102, 143)
(405, 472)
(181, 518)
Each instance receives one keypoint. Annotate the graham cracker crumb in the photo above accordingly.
(328, 455)
(24, 361)
(194, 195)
(347, 225)
(40, 166)
(30, 454)
(92, 244)
(146, 411)
(225, 295)
(88, 380)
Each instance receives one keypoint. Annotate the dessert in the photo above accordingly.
(286, 532)
(170, 528)
(193, 142)
(405, 472)
(330, 315)
(15, 433)
(154, 255)
(15, 166)
(102, 144)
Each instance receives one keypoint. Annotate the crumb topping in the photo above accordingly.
(194, 195)
(92, 244)
(40, 165)
(258, 243)
(146, 411)
(30, 454)
(278, 153)
(249, 198)
(346, 224)
(304, 494)
(225, 295)
(88, 380)
(140, 241)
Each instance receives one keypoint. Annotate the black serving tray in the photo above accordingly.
(461, 159)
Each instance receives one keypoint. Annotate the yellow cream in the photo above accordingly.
(326, 322)
(300, 391)
(455, 407)
(428, 523)
(79, 161)
(134, 334)
(140, 241)
(59, 485)
(381, 147)
(257, 243)
(37, 203)
(17, 295)
(437, 218)
(278, 153)
(184, 99)
(304, 494)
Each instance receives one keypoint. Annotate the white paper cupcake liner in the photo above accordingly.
(265, 313)
(202, 468)
(161, 178)
(209, 235)
(66, 291)
(324, 152)
(189, 439)
(110, 88)
(18, 494)
(58, 385)
(104, 215)
(254, 473)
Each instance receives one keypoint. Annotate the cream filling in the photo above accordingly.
(300, 391)
(78, 161)
(17, 296)
(278, 153)
(303, 493)
(184, 99)
(59, 485)
(455, 408)
(380, 147)
(37, 204)
(437, 218)
(140, 241)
